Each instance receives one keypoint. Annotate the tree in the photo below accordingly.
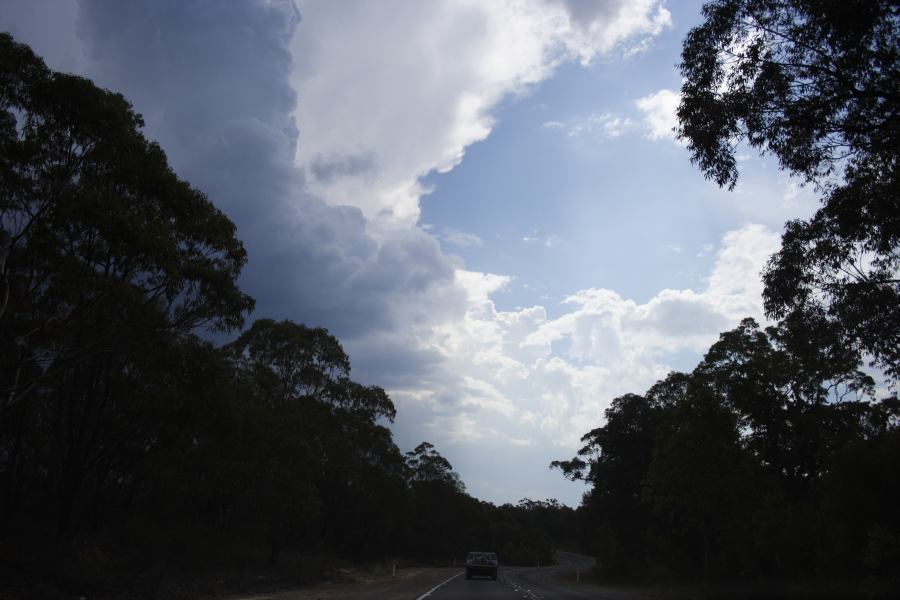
(291, 362)
(794, 406)
(699, 487)
(107, 262)
(859, 501)
(615, 460)
(839, 269)
(93, 220)
(816, 85)
(301, 375)
(424, 463)
(727, 472)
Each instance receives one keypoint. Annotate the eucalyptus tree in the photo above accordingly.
(301, 376)
(816, 85)
(107, 260)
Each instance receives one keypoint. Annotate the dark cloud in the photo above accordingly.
(46, 25)
(212, 79)
(328, 168)
(586, 12)
(393, 361)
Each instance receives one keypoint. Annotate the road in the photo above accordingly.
(526, 583)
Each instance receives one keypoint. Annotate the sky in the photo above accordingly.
(484, 201)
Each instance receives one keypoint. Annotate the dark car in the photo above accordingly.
(481, 564)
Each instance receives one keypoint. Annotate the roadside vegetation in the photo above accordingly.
(136, 452)
(133, 449)
(774, 461)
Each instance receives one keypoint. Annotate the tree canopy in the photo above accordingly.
(108, 262)
(127, 437)
(765, 463)
(815, 84)
(425, 463)
(97, 234)
(733, 472)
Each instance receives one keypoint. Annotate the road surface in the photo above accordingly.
(526, 583)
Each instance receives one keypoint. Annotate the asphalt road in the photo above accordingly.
(525, 583)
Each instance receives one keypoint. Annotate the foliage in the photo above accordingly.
(814, 84)
(617, 458)
(125, 437)
(766, 463)
(736, 471)
(424, 464)
(839, 268)
(108, 262)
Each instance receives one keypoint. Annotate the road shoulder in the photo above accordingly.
(409, 584)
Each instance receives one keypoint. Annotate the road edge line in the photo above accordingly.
(431, 591)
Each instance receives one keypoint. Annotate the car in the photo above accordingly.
(481, 564)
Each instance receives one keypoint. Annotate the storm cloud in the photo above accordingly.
(313, 127)
(213, 82)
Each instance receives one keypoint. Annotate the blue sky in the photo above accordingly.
(482, 200)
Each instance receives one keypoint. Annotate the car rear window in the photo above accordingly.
(482, 556)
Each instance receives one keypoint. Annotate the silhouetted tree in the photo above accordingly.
(120, 424)
(614, 461)
(107, 260)
(781, 398)
(816, 85)
(730, 472)
(304, 375)
(425, 463)
(699, 487)
(858, 513)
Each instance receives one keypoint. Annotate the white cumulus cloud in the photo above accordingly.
(389, 91)
(524, 375)
(599, 126)
(659, 114)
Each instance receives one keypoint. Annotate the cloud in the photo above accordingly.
(458, 238)
(484, 395)
(548, 241)
(549, 380)
(327, 169)
(659, 114)
(214, 84)
(411, 85)
(604, 126)
(602, 26)
(458, 428)
(47, 25)
(598, 126)
(313, 134)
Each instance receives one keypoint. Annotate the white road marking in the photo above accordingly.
(431, 591)
(527, 593)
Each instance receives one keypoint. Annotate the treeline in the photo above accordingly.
(764, 464)
(126, 439)
(775, 460)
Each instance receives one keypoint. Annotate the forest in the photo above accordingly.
(129, 442)
(775, 459)
(132, 445)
